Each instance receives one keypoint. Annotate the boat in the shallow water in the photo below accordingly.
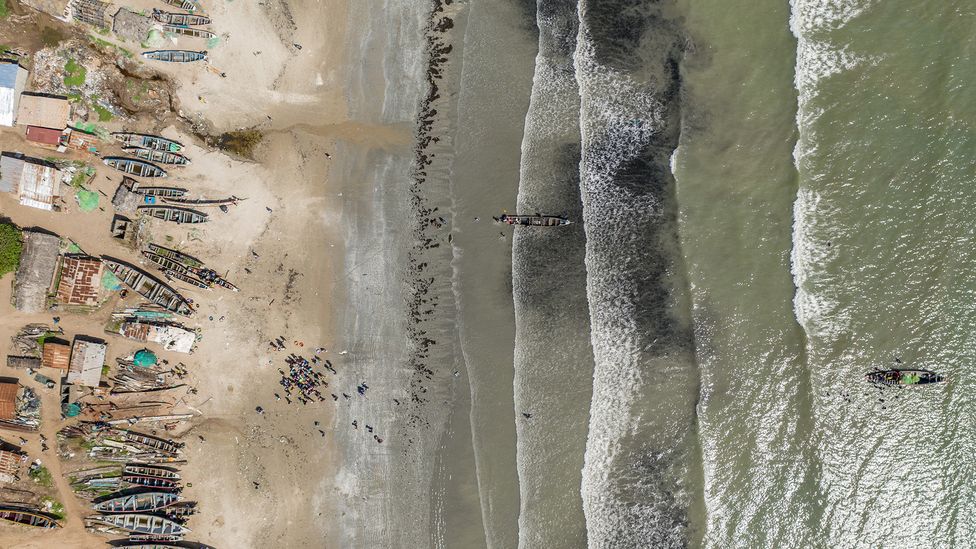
(134, 166)
(141, 524)
(899, 376)
(188, 31)
(27, 518)
(533, 220)
(175, 56)
(184, 19)
(146, 141)
(175, 255)
(145, 502)
(151, 471)
(182, 4)
(162, 157)
(174, 214)
(148, 286)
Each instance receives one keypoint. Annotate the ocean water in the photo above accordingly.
(768, 200)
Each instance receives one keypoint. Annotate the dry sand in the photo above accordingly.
(260, 480)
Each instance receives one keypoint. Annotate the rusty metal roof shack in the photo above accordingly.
(44, 136)
(87, 359)
(13, 78)
(43, 110)
(8, 399)
(9, 466)
(37, 182)
(80, 280)
(38, 260)
(56, 355)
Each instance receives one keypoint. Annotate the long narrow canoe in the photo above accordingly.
(155, 443)
(175, 255)
(175, 56)
(151, 482)
(151, 471)
(174, 214)
(162, 157)
(148, 286)
(155, 142)
(188, 31)
(185, 19)
(166, 263)
(182, 4)
(146, 502)
(203, 202)
(900, 376)
(141, 524)
(27, 518)
(533, 220)
(134, 166)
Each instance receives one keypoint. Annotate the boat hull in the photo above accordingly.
(903, 377)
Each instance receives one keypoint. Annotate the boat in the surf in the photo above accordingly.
(134, 166)
(175, 255)
(140, 523)
(147, 141)
(184, 19)
(533, 220)
(27, 518)
(175, 56)
(148, 286)
(188, 31)
(174, 214)
(151, 482)
(182, 4)
(902, 376)
(161, 157)
(146, 502)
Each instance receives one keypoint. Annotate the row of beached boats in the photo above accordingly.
(182, 24)
(185, 268)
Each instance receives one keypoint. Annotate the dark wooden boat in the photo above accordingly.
(175, 56)
(141, 524)
(136, 167)
(148, 286)
(27, 518)
(162, 157)
(155, 443)
(203, 202)
(533, 220)
(151, 471)
(188, 31)
(182, 4)
(145, 502)
(153, 542)
(175, 255)
(146, 141)
(136, 187)
(899, 376)
(174, 214)
(151, 482)
(210, 276)
(184, 19)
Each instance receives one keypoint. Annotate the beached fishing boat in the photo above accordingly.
(161, 157)
(141, 524)
(174, 214)
(154, 542)
(203, 202)
(175, 56)
(533, 220)
(182, 4)
(134, 166)
(210, 276)
(185, 19)
(155, 443)
(148, 286)
(146, 141)
(166, 263)
(189, 31)
(145, 502)
(898, 376)
(151, 482)
(175, 255)
(151, 471)
(176, 275)
(27, 518)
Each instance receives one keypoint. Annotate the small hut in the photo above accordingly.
(35, 274)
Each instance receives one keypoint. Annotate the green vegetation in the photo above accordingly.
(11, 243)
(105, 369)
(75, 97)
(74, 74)
(42, 476)
(54, 507)
(104, 115)
(4, 9)
(45, 337)
(240, 142)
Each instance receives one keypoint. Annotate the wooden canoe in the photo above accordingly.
(182, 4)
(175, 255)
(174, 214)
(188, 31)
(175, 56)
(161, 157)
(141, 524)
(27, 518)
(148, 286)
(145, 502)
(134, 166)
(151, 471)
(145, 140)
(184, 19)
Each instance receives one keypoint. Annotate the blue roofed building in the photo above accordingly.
(13, 78)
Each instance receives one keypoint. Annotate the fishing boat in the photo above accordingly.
(210, 276)
(188, 31)
(155, 142)
(203, 202)
(175, 255)
(533, 220)
(153, 542)
(174, 214)
(182, 4)
(175, 56)
(161, 192)
(134, 166)
(162, 157)
(148, 286)
(155, 443)
(899, 376)
(166, 263)
(150, 471)
(151, 482)
(146, 502)
(141, 524)
(27, 518)
(185, 19)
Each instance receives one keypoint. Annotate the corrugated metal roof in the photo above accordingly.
(8, 400)
(43, 111)
(8, 75)
(48, 136)
(87, 359)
